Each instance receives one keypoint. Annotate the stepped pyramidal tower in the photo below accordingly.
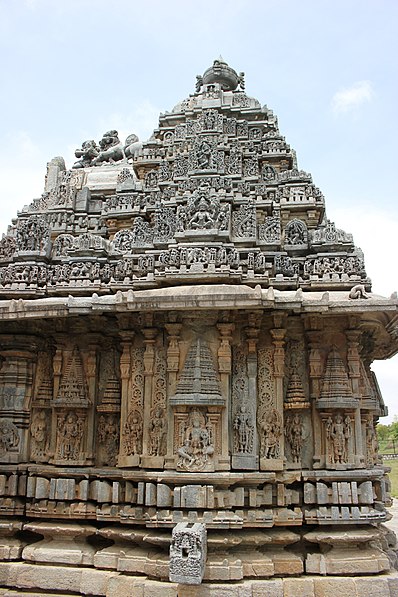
(185, 386)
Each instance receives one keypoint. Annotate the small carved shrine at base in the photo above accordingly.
(186, 340)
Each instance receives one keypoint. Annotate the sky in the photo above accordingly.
(72, 69)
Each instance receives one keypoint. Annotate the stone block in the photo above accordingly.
(393, 585)
(348, 562)
(330, 587)
(42, 488)
(12, 485)
(150, 494)
(141, 492)
(62, 544)
(161, 589)
(268, 588)
(188, 552)
(298, 587)
(366, 493)
(221, 568)
(245, 462)
(101, 491)
(95, 582)
(372, 587)
(193, 496)
(164, 496)
(56, 578)
(30, 486)
(126, 586)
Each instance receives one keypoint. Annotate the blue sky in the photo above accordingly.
(72, 69)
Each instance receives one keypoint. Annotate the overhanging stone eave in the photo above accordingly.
(194, 297)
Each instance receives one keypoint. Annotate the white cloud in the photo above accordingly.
(141, 120)
(350, 98)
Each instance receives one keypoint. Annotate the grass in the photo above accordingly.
(393, 476)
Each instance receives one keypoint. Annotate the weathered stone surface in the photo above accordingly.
(186, 340)
(188, 552)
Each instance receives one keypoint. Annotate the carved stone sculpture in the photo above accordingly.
(110, 149)
(196, 447)
(188, 553)
(87, 154)
(185, 358)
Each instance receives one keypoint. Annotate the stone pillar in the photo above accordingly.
(224, 368)
(315, 374)
(91, 375)
(354, 373)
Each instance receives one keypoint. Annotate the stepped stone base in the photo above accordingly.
(27, 580)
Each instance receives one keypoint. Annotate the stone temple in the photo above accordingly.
(187, 405)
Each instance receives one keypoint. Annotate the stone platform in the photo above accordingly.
(65, 581)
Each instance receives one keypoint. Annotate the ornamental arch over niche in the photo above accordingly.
(296, 233)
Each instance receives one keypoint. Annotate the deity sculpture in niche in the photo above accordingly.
(133, 434)
(108, 438)
(196, 446)
(371, 442)
(157, 433)
(69, 436)
(244, 430)
(9, 437)
(270, 433)
(294, 435)
(32, 234)
(338, 432)
(296, 233)
(203, 154)
(203, 212)
(39, 431)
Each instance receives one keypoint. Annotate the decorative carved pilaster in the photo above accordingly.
(18, 355)
(315, 375)
(173, 364)
(225, 368)
(244, 405)
(108, 410)
(40, 423)
(354, 373)
(271, 424)
(132, 378)
(149, 334)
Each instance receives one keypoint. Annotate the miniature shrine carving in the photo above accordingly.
(185, 361)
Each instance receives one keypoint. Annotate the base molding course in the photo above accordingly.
(29, 580)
